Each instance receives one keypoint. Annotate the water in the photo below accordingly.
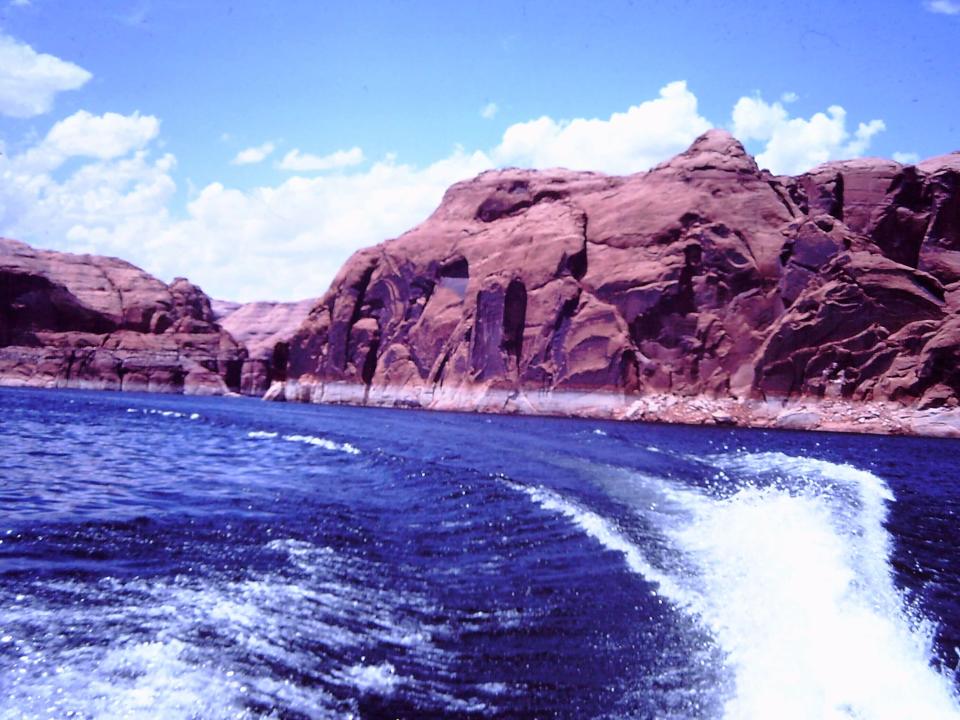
(209, 558)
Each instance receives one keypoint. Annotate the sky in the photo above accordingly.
(253, 147)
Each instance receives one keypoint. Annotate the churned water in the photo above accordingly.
(169, 557)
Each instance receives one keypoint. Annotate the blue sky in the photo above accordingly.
(127, 138)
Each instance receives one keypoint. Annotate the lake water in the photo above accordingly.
(172, 557)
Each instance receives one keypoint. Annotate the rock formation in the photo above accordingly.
(704, 290)
(705, 277)
(93, 322)
(264, 329)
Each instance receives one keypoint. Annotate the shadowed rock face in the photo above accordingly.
(704, 276)
(100, 323)
(264, 329)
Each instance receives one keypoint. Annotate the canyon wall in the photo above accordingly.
(705, 277)
(92, 322)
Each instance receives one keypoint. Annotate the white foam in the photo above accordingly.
(380, 679)
(131, 680)
(799, 592)
(608, 535)
(789, 571)
(324, 443)
(164, 413)
(179, 672)
(321, 442)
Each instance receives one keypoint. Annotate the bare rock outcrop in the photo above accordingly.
(264, 329)
(95, 322)
(705, 277)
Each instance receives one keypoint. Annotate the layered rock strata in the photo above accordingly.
(85, 321)
(264, 329)
(704, 278)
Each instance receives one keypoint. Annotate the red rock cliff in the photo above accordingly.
(705, 277)
(264, 329)
(95, 322)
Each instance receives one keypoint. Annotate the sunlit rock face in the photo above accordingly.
(264, 329)
(706, 276)
(93, 322)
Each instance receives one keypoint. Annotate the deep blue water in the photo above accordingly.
(177, 557)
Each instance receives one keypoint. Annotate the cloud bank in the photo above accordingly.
(623, 143)
(296, 161)
(793, 145)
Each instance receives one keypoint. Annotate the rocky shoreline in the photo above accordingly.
(823, 414)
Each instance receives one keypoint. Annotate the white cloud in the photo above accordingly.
(102, 137)
(626, 142)
(253, 155)
(862, 138)
(794, 145)
(29, 80)
(754, 119)
(943, 7)
(906, 158)
(489, 111)
(789, 97)
(296, 161)
(284, 242)
(288, 241)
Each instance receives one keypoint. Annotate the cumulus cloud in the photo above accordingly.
(624, 143)
(296, 161)
(253, 155)
(906, 158)
(287, 240)
(83, 135)
(943, 7)
(753, 119)
(489, 111)
(104, 136)
(793, 145)
(29, 81)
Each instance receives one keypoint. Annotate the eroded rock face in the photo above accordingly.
(264, 329)
(705, 276)
(100, 323)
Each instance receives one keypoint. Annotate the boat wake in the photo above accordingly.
(307, 637)
(785, 562)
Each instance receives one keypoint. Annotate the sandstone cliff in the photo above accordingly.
(93, 322)
(705, 277)
(264, 329)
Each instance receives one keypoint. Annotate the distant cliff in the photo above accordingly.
(705, 277)
(85, 321)
(264, 329)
